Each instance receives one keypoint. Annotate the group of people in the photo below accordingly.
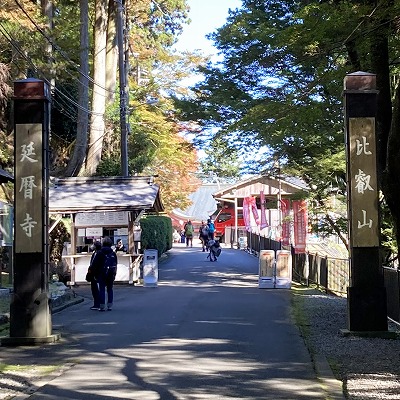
(102, 271)
(206, 233)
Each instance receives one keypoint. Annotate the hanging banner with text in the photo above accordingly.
(263, 217)
(300, 221)
(250, 208)
(363, 183)
(285, 210)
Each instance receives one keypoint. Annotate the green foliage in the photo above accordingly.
(156, 233)
(221, 160)
(388, 238)
(109, 166)
(58, 236)
(279, 87)
(63, 118)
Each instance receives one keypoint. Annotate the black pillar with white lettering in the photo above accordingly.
(30, 316)
(366, 295)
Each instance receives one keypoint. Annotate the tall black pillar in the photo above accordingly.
(30, 316)
(366, 296)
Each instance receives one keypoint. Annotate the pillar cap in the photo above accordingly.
(360, 81)
(31, 89)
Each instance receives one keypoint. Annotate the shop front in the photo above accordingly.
(99, 207)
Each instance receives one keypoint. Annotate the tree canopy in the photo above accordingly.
(44, 40)
(279, 86)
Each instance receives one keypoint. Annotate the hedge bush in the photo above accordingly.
(156, 233)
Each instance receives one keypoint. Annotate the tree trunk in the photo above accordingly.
(77, 160)
(47, 11)
(112, 52)
(97, 124)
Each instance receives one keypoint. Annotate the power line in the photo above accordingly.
(41, 74)
(58, 49)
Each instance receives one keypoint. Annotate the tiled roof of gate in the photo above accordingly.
(203, 203)
(73, 195)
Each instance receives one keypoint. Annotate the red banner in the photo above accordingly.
(249, 206)
(263, 223)
(285, 211)
(246, 214)
(300, 225)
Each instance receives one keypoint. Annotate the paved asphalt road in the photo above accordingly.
(206, 332)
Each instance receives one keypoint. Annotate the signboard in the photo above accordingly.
(275, 273)
(150, 268)
(363, 183)
(283, 269)
(113, 218)
(81, 232)
(6, 225)
(29, 188)
(122, 232)
(94, 232)
(242, 242)
(266, 278)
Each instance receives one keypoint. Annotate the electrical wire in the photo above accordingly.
(58, 49)
(14, 43)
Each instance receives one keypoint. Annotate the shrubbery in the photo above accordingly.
(156, 233)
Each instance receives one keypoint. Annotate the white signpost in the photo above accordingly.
(150, 268)
(275, 272)
(266, 279)
(283, 269)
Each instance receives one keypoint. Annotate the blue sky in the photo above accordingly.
(206, 16)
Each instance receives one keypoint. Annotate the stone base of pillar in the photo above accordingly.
(29, 341)
(367, 309)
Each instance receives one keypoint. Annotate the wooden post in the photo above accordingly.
(366, 296)
(30, 315)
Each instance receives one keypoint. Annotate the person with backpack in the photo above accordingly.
(211, 228)
(105, 269)
(90, 277)
(188, 228)
(204, 234)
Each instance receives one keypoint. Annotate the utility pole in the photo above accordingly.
(123, 92)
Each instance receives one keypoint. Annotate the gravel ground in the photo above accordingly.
(368, 367)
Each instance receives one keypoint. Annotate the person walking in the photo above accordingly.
(94, 285)
(105, 267)
(204, 234)
(189, 233)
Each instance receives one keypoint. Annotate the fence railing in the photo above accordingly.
(329, 273)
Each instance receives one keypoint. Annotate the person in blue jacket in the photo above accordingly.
(211, 228)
